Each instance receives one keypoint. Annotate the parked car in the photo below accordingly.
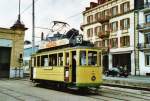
(113, 72)
(117, 72)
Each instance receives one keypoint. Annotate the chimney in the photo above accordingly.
(101, 1)
(93, 4)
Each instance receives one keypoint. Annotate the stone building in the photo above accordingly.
(112, 26)
(11, 50)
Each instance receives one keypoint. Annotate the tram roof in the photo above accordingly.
(68, 46)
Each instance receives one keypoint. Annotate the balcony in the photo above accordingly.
(144, 28)
(143, 46)
(104, 34)
(104, 19)
(146, 7)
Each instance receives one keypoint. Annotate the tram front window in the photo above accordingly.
(92, 58)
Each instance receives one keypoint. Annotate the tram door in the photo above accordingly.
(73, 66)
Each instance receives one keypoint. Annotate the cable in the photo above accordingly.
(28, 7)
(73, 15)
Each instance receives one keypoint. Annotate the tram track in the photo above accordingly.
(18, 95)
(105, 93)
(124, 95)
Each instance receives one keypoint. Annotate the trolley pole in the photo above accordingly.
(33, 28)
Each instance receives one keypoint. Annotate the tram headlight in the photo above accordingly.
(93, 78)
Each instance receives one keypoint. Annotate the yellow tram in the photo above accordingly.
(78, 65)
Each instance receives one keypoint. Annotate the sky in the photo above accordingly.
(46, 11)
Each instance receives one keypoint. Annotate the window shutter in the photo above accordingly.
(95, 30)
(88, 32)
(128, 22)
(110, 12)
(91, 32)
(96, 17)
(117, 10)
(110, 27)
(110, 43)
(116, 25)
(121, 38)
(128, 5)
(116, 42)
(91, 19)
(121, 8)
(121, 24)
(128, 40)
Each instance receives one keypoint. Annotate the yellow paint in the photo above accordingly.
(55, 73)
(84, 74)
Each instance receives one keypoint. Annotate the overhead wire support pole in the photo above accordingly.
(33, 28)
(19, 10)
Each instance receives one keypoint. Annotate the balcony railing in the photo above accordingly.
(146, 7)
(145, 27)
(104, 19)
(104, 34)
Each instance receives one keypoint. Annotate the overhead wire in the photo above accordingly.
(28, 7)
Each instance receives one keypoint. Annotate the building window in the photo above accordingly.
(114, 26)
(147, 18)
(90, 32)
(125, 7)
(114, 11)
(124, 41)
(147, 38)
(147, 58)
(105, 27)
(89, 19)
(105, 43)
(97, 16)
(125, 24)
(106, 13)
(114, 43)
(97, 30)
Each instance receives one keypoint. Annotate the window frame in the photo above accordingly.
(146, 64)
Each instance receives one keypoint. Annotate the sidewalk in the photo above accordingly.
(133, 81)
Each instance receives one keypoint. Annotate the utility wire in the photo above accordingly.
(28, 7)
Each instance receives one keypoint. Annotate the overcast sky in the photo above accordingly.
(45, 12)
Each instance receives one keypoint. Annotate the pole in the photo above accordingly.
(19, 10)
(33, 26)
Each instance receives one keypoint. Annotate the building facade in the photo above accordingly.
(144, 38)
(11, 50)
(112, 26)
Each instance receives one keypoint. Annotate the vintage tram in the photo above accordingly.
(70, 65)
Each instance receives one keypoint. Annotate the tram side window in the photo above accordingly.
(34, 61)
(67, 59)
(92, 58)
(53, 60)
(60, 59)
(83, 58)
(38, 61)
(44, 60)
